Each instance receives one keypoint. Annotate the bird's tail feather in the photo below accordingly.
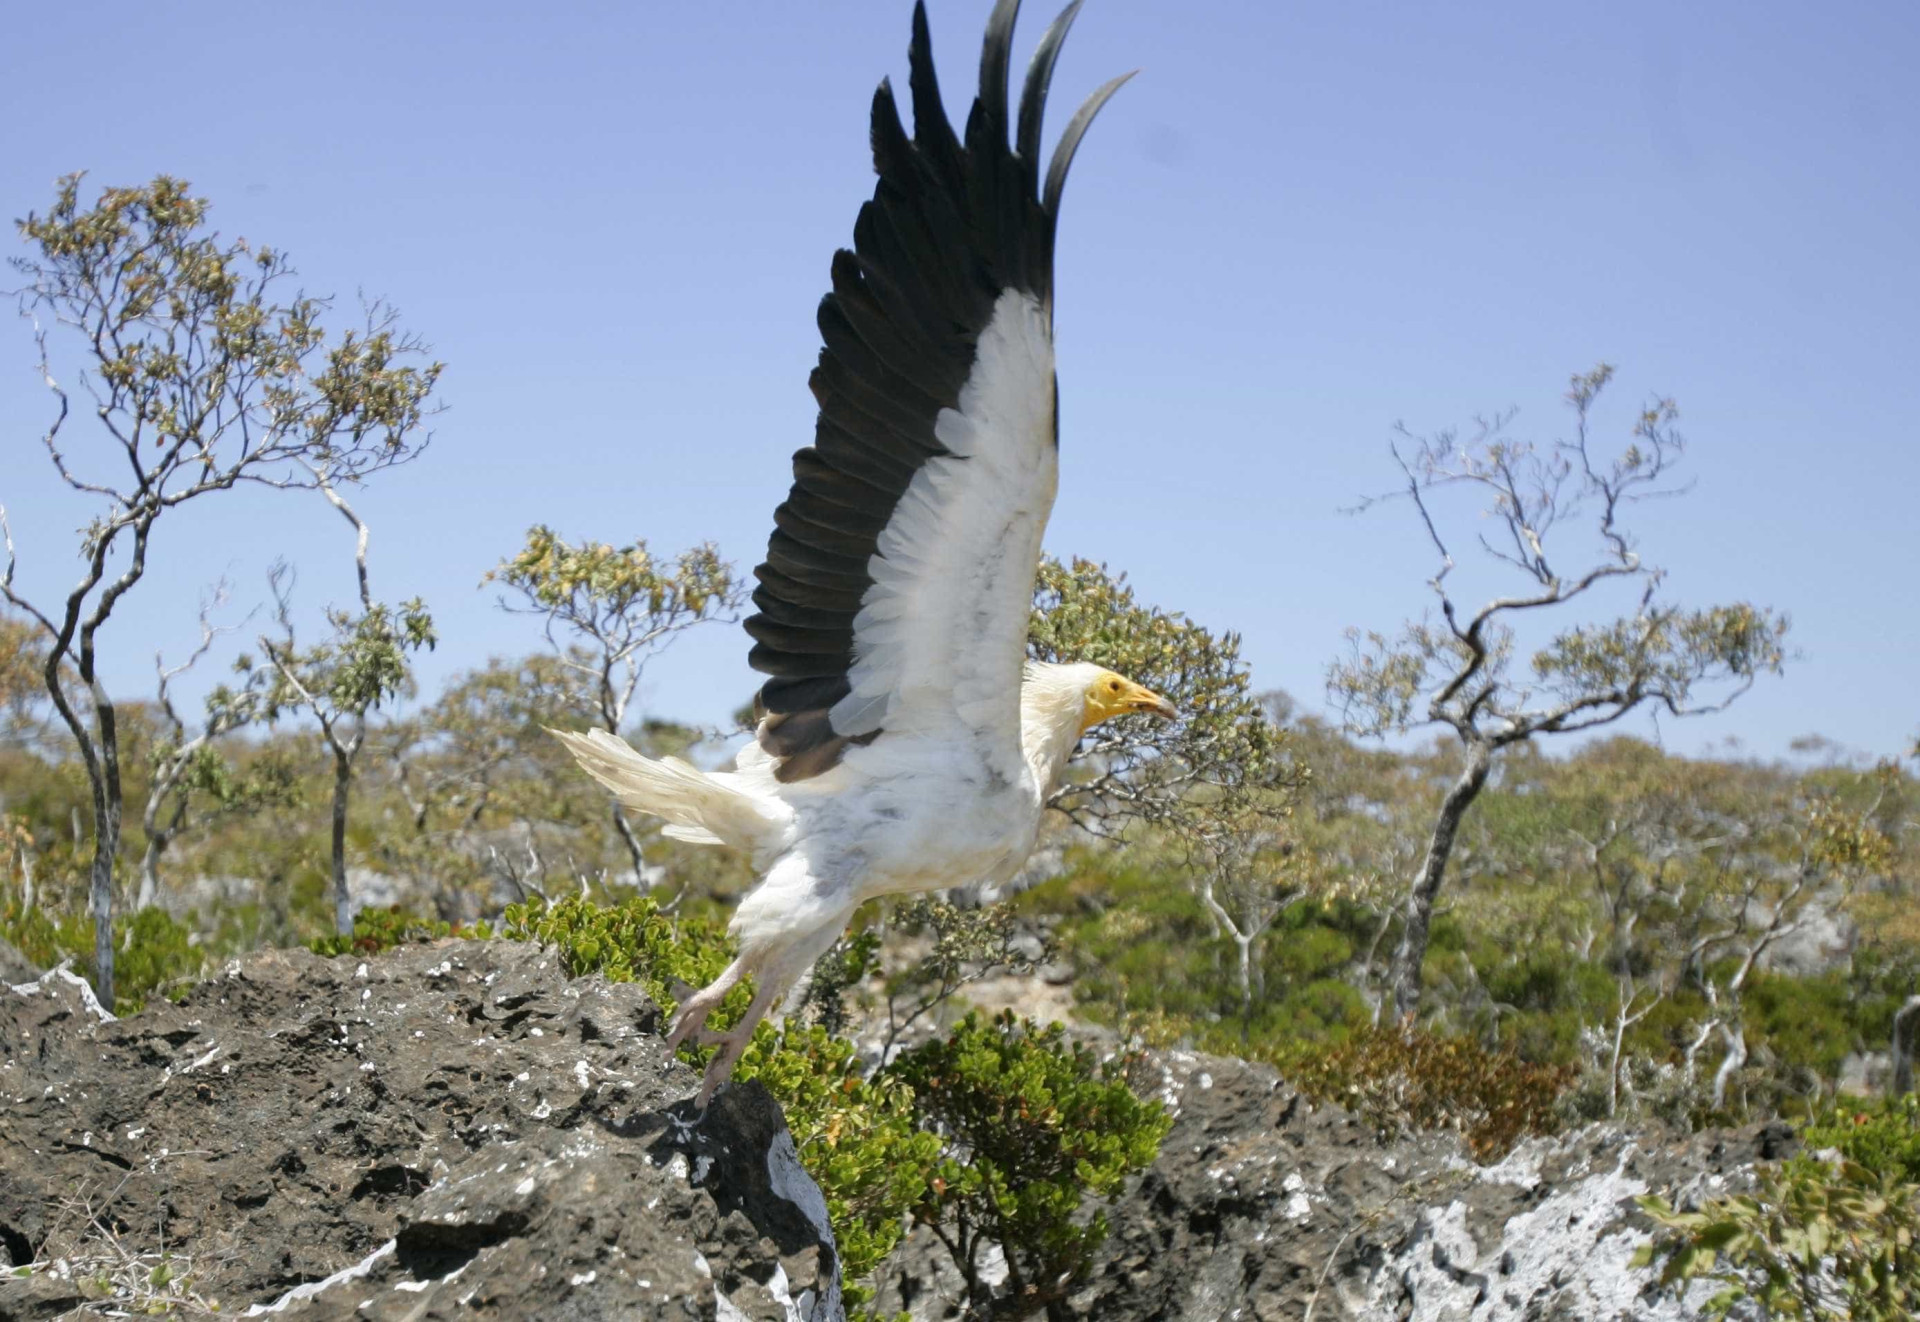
(698, 808)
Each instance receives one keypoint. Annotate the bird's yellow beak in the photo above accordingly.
(1115, 695)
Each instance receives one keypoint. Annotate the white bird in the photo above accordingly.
(905, 743)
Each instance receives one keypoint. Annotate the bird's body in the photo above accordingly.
(906, 744)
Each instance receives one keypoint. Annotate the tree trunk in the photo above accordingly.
(100, 904)
(1736, 1040)
(1245, 946)
(621, 825)
(1903, 1046)
(107, 803)
(1613, 1066)
(342, 901)
(1404, 973)
(150, 873)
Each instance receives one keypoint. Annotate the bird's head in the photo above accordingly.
(1109, 695)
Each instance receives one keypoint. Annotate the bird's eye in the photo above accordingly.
(1112, 687)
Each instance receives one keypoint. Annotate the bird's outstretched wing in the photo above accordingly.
(894, 596)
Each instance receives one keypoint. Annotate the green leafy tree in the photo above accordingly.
(203, 378)
(1223, 754)
(22, 660)
(1033, 1126)
(339, 681)
(1459, 673)
(608, 610)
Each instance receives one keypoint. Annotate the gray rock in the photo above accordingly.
(438, 1130)
(1823, 940)
(14, 966)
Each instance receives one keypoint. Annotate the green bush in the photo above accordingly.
(632, 942)
(1881, 1135)
(47, 939)
(857, 1137)
(1813, 1241)
(156, 956)
(375, 930)
(1030, 1126)
(1826, 1235)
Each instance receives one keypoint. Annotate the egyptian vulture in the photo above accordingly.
(904, 742)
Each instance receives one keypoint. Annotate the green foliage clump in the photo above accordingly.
(1815, 1240)
(1031, 1125)
(595, 584)
(1827, 1235)
(375, 930)
(1417, 1080)
(1883, 1136)
(631, 942)
(156, 954)
(1000, 1130)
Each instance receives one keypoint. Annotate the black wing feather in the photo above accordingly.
(952, 224)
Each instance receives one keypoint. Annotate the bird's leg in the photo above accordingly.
(733, 1043)
(776, 950)
(693, 1013)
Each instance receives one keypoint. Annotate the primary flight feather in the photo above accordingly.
(905, 743)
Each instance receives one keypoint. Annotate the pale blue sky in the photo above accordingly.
(1300, 224)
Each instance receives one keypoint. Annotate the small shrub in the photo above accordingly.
(375, 930)
(1405, 1081)
(47, 939)
(157, 955)
(1031, 1126)
(1814, 1241)
(1883, 1135)
(632, 942)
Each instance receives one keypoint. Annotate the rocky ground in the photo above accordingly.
(433, 1133)
(458, 1129)
(1266, 1207)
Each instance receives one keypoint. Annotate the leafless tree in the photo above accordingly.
(1458, 673)
(1239, 867)
(186, 766)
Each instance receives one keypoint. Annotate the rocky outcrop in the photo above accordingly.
(459, 1128)
(1263, 1206)
(440, 1130)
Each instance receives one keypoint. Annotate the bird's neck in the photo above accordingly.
(1051, 720)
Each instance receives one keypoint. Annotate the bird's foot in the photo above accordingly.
(691, 1022)
(733, 1045)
